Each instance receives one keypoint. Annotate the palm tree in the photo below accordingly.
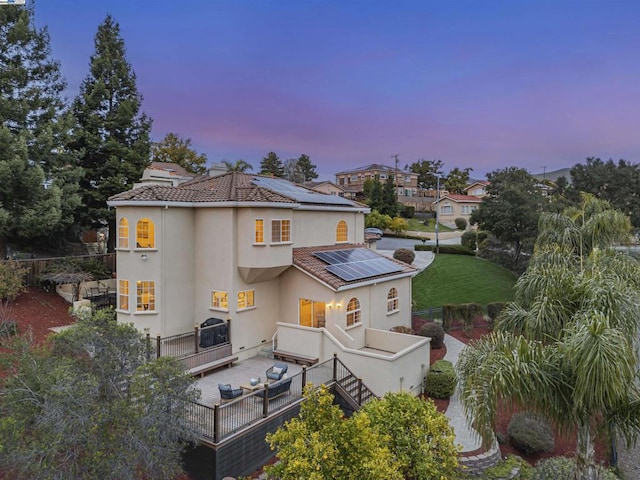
(238, 166)
(567, 347)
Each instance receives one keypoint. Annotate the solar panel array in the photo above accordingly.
(356, 263)
(300, 194)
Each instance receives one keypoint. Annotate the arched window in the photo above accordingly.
(123, 233)
(353, 312)
(342, 231)
(145, 234)
(392, 301)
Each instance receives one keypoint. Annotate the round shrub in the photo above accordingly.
(402, 329)
(435, 331)
(530, 434)
(441, 380)
(404, 255)
(461, 223)
(561, 468)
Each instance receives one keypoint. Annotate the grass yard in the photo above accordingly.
(416, 225)
(462, 279)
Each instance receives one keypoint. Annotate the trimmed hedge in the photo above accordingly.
(530, 434)
(435, 332)
(450, 249)
(441, 380)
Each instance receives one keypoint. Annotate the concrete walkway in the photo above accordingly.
(466, 436)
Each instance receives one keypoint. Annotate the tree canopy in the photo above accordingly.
(238, 166)
(34, 137)
(511, 209)
(614, 182)
(272, 165)
(90, 405)
(428, 172)
(566, 348)
(111, 131)
(174, 149)
(457, 180)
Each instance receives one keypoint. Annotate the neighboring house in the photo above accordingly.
(477, 189)
(353, 180)
(329, 188)
(286, 265)
(164, 173)
(452, 206)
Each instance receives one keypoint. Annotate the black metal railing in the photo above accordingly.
(187, 343)
(221, 421)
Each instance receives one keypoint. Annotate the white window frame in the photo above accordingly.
(124, 295)
(150, 291)
(279, 222)
(218, 299)
(123, 240)
(250, 302)
(355, 314)
(393, 301)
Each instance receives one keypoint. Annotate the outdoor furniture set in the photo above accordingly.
(276, 375)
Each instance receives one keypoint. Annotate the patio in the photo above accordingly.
(238, 374)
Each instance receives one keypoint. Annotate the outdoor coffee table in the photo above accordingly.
(251, 388)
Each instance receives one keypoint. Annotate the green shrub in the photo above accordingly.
(408, 211)
(470, 237)
(530, 434)
(404, 255)
(467, 312)
(441, 380)
(422, 248)
(561, 468)
(461, 223)
(8, 328)
(449, 315)
(494, 309)
(435, 332)
(456, 250)
(503, 469)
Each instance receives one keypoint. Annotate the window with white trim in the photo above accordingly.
(354, 314)
(123, 233)
(259, 230)
(280, 231)
(220, 300)
(245, 299)
(123, 295)
(392, 301)
(145, 234)
(446, 209)
(145, 296)
(342, 231)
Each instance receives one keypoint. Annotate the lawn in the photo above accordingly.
(462, 279)
(416, 225)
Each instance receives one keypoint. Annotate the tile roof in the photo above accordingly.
(229, 187)
(304, 259)
(460, 198)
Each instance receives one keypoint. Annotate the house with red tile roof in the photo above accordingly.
(286, 265)
(452, 206)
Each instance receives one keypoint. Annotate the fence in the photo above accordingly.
(187, 343)
(36, 266)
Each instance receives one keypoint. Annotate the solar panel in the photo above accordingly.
(356, 263)
(300, 194)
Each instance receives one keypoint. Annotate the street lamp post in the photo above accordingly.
(437, 208)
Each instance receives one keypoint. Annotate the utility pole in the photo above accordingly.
(396, 179)
(544, 173)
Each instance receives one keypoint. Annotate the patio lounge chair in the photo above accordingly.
(228, 393)
(276, 371)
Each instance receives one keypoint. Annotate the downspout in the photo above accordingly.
(162, 269)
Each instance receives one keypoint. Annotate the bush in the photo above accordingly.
(435, 332)
(441, 380)
(451, 249)
(470, 237)
(561, 468)
(461, 223)
(530, 434)
(408, 211)
(402, 329)
(404, 255)
(494, 309)
(505, 468)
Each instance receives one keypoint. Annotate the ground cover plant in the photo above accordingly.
(454, 279)
(418, 225)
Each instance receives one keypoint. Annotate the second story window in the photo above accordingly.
(392, 301)
(280, 231)
(123, 233)
(145, 234)
(342, 231)
(146, 296)
(245, 299)
(259, 231)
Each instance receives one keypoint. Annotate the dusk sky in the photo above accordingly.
(480, 84)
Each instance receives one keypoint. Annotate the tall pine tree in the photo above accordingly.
(34, 139)
(111, 131)
(272, 165)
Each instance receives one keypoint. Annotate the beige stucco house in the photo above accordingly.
(288, 266)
